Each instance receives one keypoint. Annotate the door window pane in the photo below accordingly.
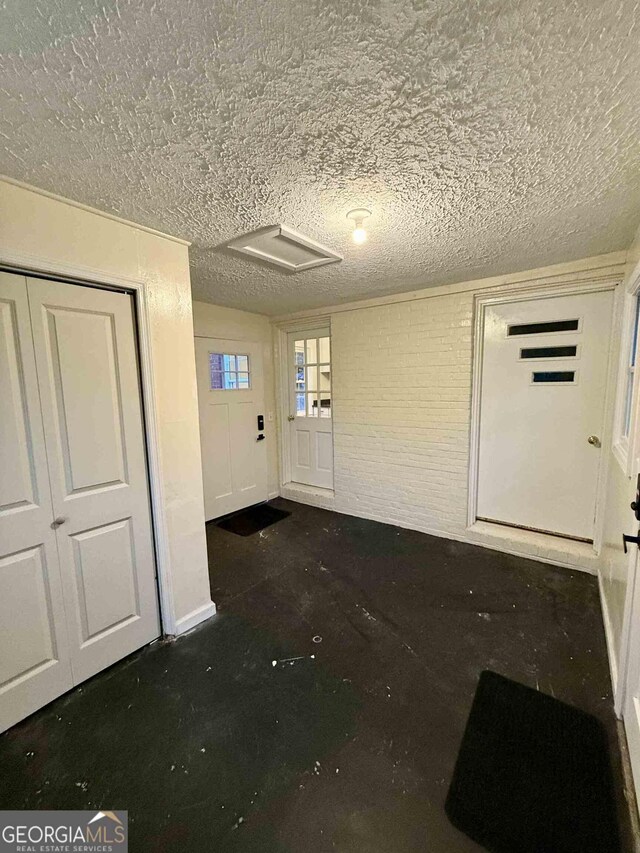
(324, 349)
(312, 378)
(300, 383)
(325, 377)
(312, 406)
(325, 405)
(300, 405)
(224, 372)
(553, 376)
(549, 352)
(312, 351)
(544, 328)
(299, 352)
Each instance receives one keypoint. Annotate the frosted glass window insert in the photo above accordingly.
(229, 371)
(312, 370)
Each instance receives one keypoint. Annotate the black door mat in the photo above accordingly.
(533, 775)
(251, 520)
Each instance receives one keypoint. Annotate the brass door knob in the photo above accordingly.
(291, 417)
(594, 440)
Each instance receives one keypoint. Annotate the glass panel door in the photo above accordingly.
(310, 415)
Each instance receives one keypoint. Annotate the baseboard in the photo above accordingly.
(200, 614)
(630, 793)
(608, 633)
(273, 495)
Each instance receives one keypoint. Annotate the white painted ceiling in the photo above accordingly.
(486, 136)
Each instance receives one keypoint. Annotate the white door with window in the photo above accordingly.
(77, 571)
(310, 408)
(544, 373)
(233, 441)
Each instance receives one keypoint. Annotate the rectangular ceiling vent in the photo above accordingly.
(283, 247)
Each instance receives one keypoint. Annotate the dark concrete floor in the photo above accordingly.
(213, 748)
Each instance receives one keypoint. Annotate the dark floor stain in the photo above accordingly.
(348, 742)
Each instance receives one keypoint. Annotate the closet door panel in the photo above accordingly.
(84, 341)
(34, 657)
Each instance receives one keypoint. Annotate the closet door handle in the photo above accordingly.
(58, 521)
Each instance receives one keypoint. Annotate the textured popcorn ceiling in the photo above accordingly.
(486, 137)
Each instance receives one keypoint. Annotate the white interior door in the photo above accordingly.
(544, 374)
(230, 398)
(310, 413)
(84, 341)
(34, 658)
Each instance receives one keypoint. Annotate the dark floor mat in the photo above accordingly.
(532, 774)
(252, 519)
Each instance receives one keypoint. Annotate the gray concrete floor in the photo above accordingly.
(350, 746)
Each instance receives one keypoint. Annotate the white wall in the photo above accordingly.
(49, 234)
(618, 515)
(213, 321)
(402, 377)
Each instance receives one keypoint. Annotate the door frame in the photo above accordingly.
(281, 332)
(42, 267)
(540, 290)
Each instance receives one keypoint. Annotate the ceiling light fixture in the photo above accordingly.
(358, 216)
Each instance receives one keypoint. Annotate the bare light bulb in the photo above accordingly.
(358, 216)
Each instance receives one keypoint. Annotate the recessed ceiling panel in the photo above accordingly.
(284, 248)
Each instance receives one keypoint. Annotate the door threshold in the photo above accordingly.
(534, 545)
(307, 487)
(312, 495)
(535, 530)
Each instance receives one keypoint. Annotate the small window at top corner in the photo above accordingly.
(229, 371)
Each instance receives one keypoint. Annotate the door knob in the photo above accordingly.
(58, 521)
(594, 440)
(291, 417)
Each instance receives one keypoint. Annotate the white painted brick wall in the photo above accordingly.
(402, 408)
(401, 376)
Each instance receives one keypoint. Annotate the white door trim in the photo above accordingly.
(34, 265)
(281, 333)
(543, 291)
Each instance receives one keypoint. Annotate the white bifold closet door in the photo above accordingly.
(77, 571)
